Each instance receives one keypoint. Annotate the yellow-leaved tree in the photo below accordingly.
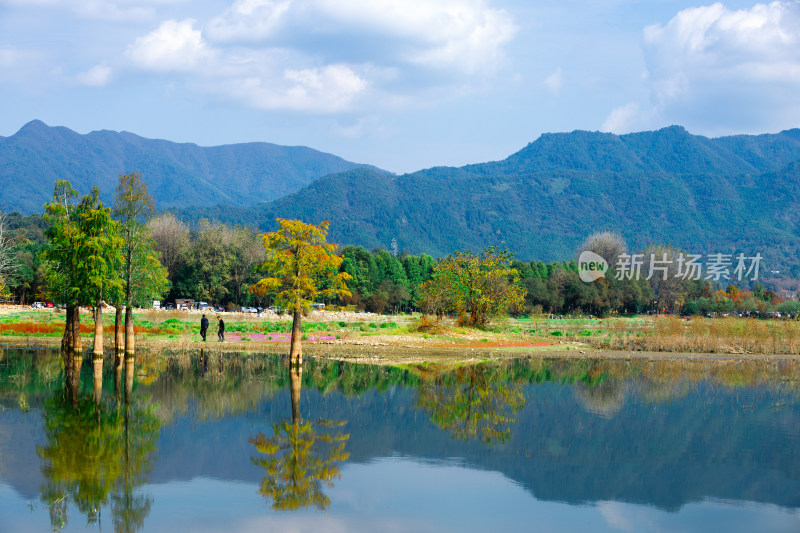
(301, 267)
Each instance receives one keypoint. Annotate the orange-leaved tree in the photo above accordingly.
(301, 267)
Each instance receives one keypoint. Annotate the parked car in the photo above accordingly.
(49, 305)
(37, 305)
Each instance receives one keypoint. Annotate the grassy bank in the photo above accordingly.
(337, 333)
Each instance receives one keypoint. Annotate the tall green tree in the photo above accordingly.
(143, 274)
(300, 266)
(100, 261)
(64, 240)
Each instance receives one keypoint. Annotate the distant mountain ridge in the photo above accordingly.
(178, 175)
(739, 193)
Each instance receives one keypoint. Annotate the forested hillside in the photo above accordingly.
(732, 194)
(178, 175)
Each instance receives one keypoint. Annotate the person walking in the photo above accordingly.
(221, 330)
(203, 327)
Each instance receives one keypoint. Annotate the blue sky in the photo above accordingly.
(401, 84)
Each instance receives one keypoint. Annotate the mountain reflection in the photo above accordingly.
(300, 456)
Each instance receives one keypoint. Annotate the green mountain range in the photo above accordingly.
(725, 195)
(737, 194)
(178, 175)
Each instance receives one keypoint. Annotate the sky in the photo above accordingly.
(400, 84)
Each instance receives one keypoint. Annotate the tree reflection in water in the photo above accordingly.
(300, 457)
(96, 452)
(473, 402)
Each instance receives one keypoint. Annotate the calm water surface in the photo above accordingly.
(223, 442)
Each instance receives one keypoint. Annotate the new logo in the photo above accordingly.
(591, 266)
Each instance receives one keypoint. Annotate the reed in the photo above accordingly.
(705, 335)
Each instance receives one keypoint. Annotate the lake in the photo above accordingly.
(239, 442)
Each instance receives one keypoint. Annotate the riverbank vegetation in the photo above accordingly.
(215, 262)
(330, 334)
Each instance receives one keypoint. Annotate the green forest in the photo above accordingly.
(218, 263)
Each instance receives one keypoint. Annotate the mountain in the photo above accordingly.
(178, 175)
(730, 194)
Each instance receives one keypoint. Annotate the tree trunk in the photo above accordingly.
(97, 349)
(119, 332)
(130, 343)
(66, 340)
(77, 345)
(296, 351)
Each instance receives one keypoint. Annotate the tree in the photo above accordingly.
(302, 267)
(607, 244)
(64, 239)
(133, 206)
(99, 261)
(171, 238)
(7, 259)
(248, 252)
(476, 287)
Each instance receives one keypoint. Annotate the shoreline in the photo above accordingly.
(357, 351)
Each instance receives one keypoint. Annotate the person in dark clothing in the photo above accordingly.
(221, 330)
(203, 327)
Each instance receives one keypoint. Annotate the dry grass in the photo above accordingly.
(429, 324)
(705, 335)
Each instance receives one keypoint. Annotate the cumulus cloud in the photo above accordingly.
(326, 56)
(173, 46)
(463, 34)
(727, 70)
(323, 90)
(269, 78)
(622, 119)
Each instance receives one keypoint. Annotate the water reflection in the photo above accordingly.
(96, 452)
(663, 434)
(300, 456)
(472, 402)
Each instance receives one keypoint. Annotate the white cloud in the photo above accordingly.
(617, 516)
(97, 76)
(326, 56)
(728, 70)
(262, 79)
(622, 119)
(326, 90)
(462, 34)
(554, 82)
(173, 46)
(248, 20)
